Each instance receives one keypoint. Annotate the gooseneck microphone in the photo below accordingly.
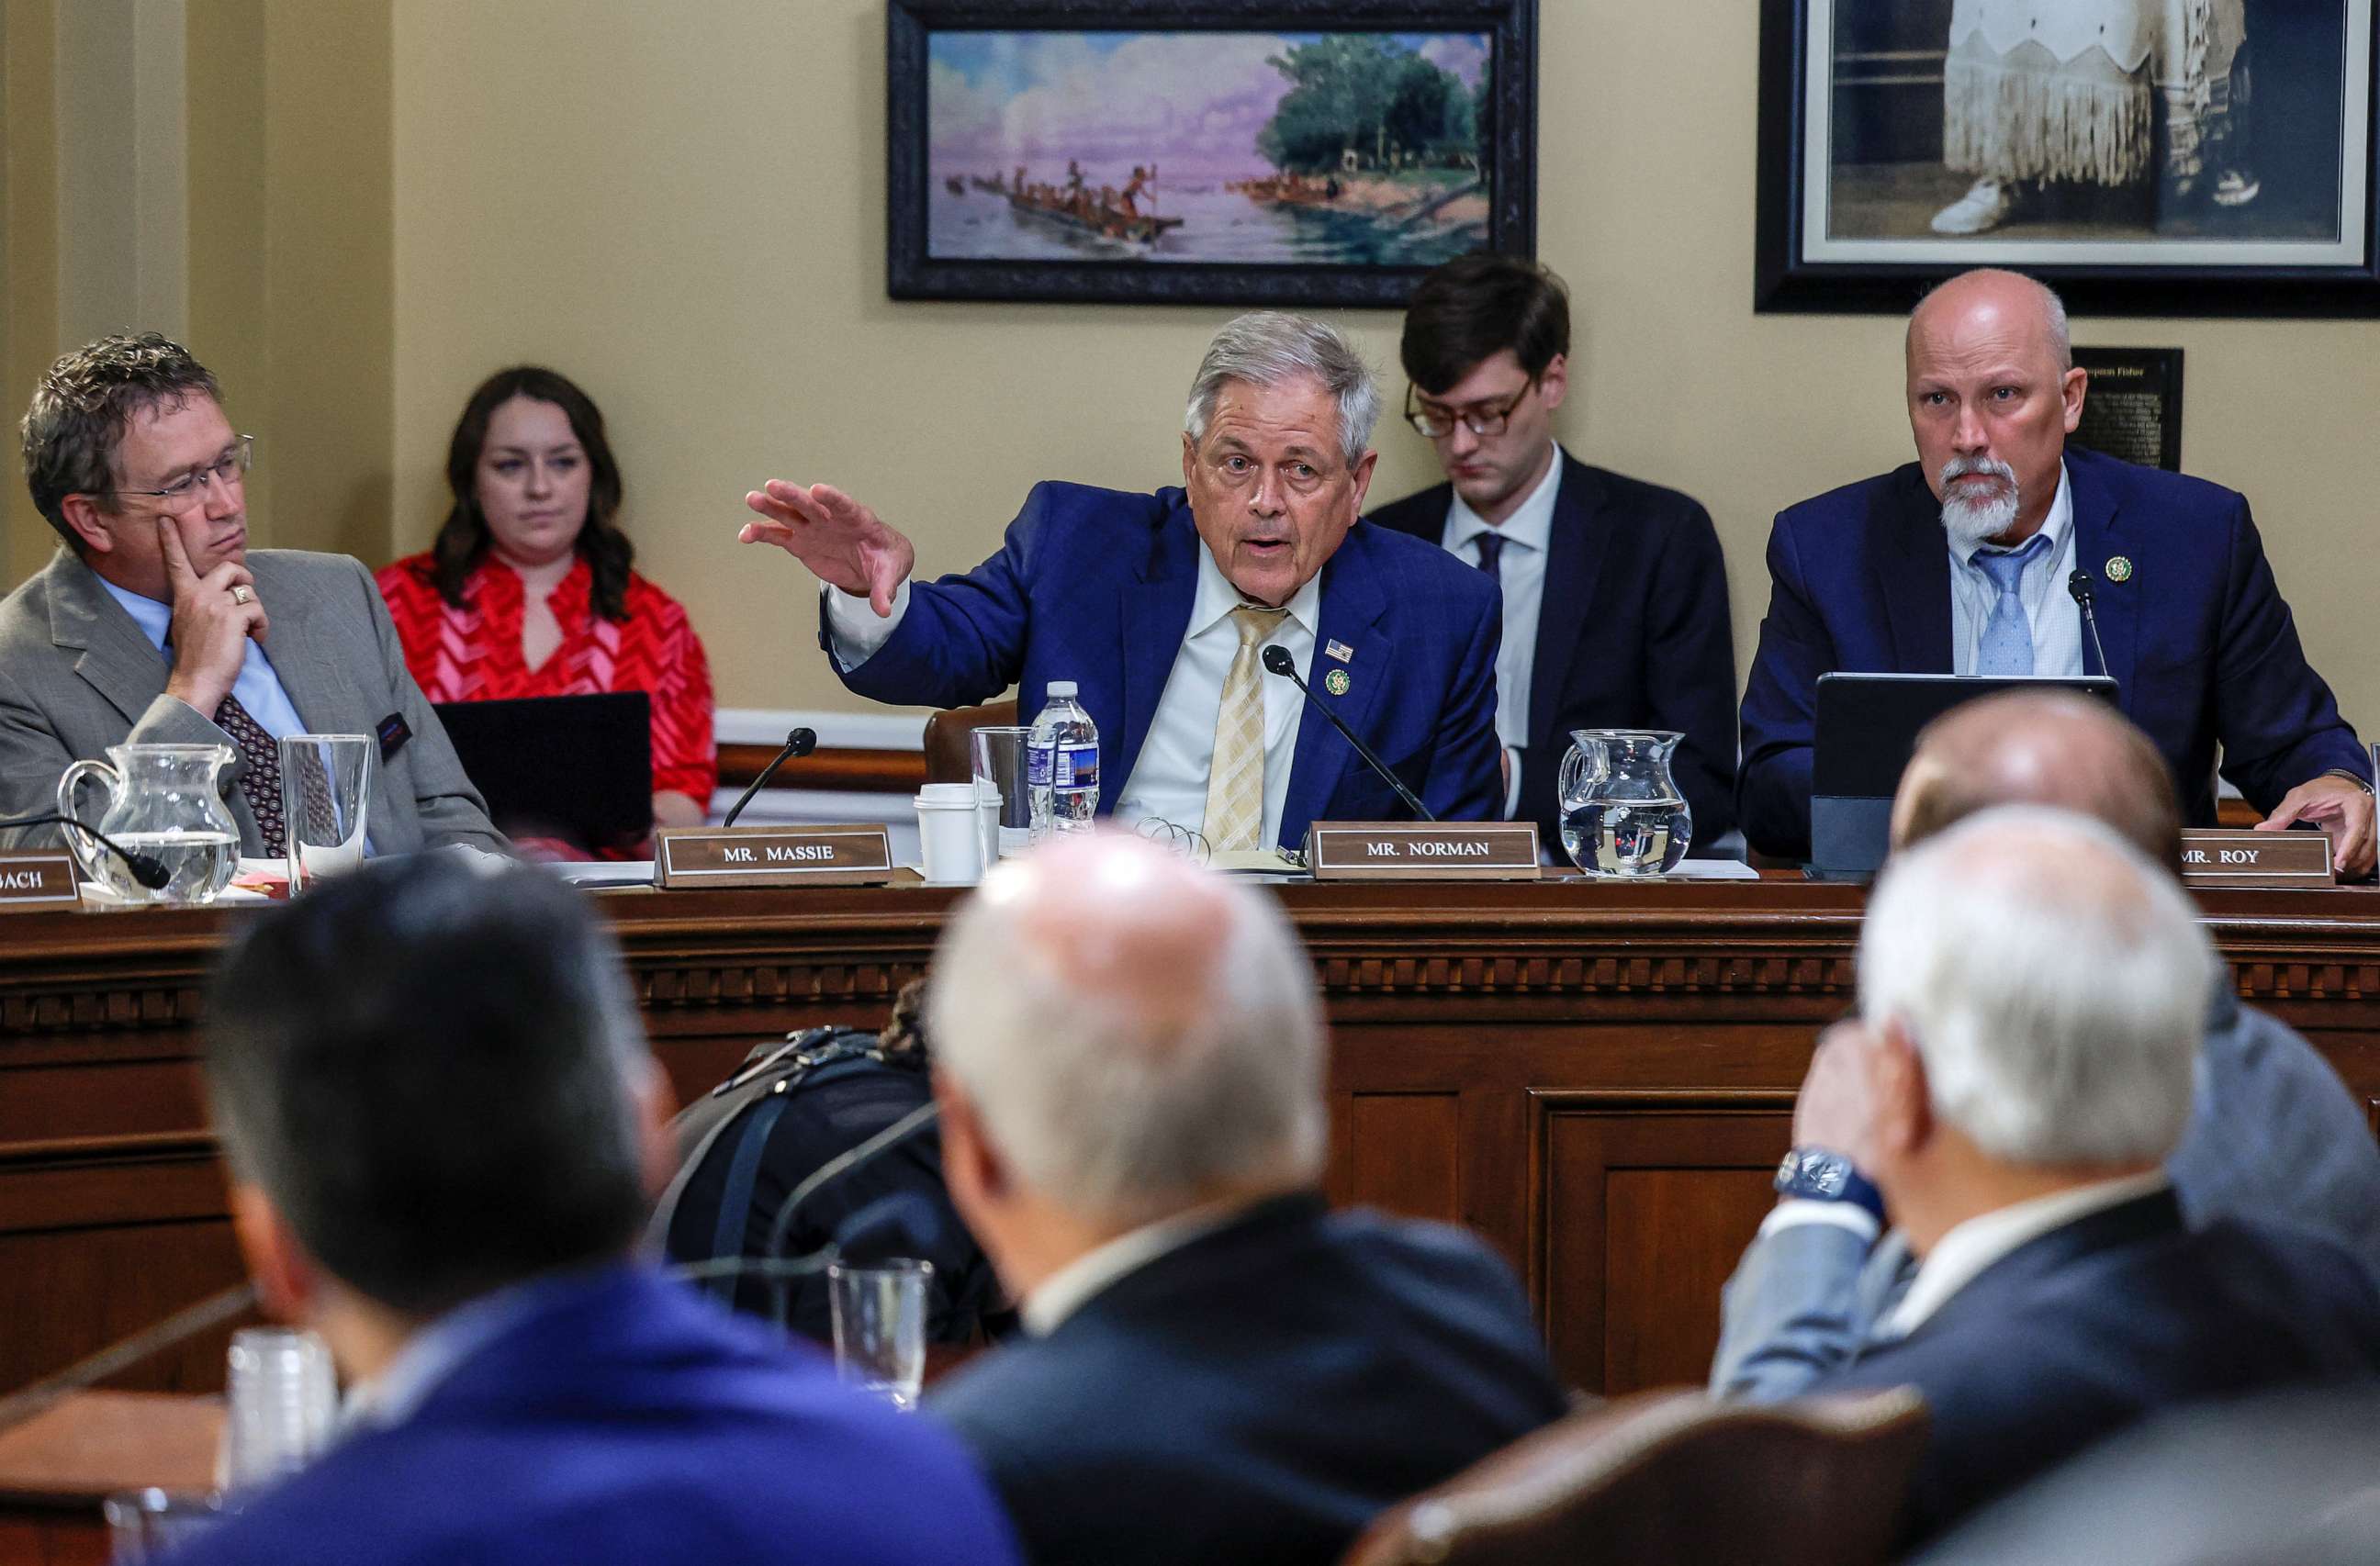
(2079, 586)
(834, 1169)
(801, 742)
(147, 869)
(1277, 661)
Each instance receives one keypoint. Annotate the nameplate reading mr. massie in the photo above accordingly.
(32, 879)
(2214, 856)
(688, 856)
(1422, 851)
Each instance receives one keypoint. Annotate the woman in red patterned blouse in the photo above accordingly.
(527, 590)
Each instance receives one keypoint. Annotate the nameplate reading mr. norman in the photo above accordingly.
(1406, 850)
(856, 856)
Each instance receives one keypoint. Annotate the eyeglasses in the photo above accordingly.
(226, 470)
(1437, 424)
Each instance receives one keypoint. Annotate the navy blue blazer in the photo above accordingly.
(1258, 1395)
(1632, 633)
(629, 1421)
(1096, 585)
(2199, 640)
(2098, 1324)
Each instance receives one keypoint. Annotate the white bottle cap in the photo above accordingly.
(1061, 691)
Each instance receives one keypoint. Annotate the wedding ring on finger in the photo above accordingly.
(241, 595)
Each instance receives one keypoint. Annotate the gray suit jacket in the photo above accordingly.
(77, 675)
(2272, 1137)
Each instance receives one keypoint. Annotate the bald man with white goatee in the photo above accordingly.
(1961, 562)
(1129, 1057)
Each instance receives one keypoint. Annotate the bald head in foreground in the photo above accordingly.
(1130, 1062)
(1961, 562)
(2031, 1000)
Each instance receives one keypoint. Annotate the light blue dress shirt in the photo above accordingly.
(258, 687)
(2057, 623)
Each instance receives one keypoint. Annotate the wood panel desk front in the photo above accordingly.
(1597, 1078)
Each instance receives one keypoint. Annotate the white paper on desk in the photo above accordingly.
(1712, 870)
(603, 872)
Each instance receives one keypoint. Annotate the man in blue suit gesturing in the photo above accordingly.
(1958, 563)
(1160, 606)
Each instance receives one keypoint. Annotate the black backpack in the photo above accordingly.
(733, 1121)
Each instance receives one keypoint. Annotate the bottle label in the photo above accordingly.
(1037, 764)
(1078, 765)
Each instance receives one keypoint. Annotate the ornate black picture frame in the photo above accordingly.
(2145, 159)
(1292, 152)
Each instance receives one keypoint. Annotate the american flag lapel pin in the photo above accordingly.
(1340, 650)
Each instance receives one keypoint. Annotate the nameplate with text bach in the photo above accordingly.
(30, 879)
(691, 857)
(1422, 851)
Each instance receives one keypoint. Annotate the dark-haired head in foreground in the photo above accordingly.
(443, 1127)
(430, 1083)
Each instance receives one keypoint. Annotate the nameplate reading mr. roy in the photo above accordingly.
(1384, 850)
(853, 855)
(2214, 856)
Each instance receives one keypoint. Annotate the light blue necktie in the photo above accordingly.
(2007, 647)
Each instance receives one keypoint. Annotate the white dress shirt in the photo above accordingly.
(258, 687)
(1528, 533)
(1961, 1255)
(2056, 622)
(1169, 778)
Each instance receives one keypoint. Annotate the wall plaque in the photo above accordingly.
(1422, 851)
(36, 879)
(2216, 857)
(2132, 407)
(690, 856)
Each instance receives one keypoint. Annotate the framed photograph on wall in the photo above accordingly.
(1295, 153)
(2145, 157)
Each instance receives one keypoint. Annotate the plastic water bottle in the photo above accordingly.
(1061, 766)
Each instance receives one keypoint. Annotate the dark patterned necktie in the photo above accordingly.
(262, 781)
(1491, 550)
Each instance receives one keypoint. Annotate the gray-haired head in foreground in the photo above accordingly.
(431, 1070)
(2052, 977)
(1270, 347)
(1121, 1086)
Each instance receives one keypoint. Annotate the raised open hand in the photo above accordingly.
(843, 542)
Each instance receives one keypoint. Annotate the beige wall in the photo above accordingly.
(681, 206)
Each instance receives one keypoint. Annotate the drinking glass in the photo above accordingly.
(283, 1397)
(878, 1313)
(146, 1525)
(1004, 807)
(326, 796)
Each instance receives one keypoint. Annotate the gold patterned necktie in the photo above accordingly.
(1235, 780)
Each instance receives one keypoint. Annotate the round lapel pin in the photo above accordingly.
(1336, 681)
(2119, 568)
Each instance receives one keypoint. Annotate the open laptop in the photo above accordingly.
(577, 768)
(1868, 729)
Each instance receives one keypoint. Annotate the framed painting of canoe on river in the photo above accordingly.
(1296, 153)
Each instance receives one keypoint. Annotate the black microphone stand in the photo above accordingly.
(900, 1130)
(2078, 587)
(1278, 661)
(147, 869)
(801, 742)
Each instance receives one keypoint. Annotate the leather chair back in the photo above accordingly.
(950, 743)
(1673, 1477)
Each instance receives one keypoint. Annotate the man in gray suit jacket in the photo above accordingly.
(155, 625)
(2273, 1133)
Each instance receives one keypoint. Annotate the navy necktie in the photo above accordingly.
(1491, 550)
